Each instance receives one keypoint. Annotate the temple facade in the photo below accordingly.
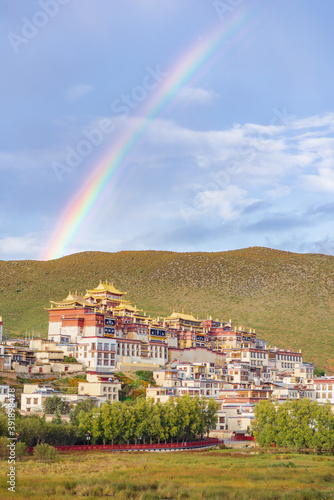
(106, 332)
(106, 329)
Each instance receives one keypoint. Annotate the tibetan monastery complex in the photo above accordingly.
(106, 332)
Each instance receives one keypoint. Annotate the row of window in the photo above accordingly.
(106, 362)
(256, 355)
(109, 389)
(105, 355)
(288, 365)
(100, 347)
(288, 357)
(194, 392)
(105, 347)
(134, 350)
(125, 351)
(323, 395)
(35, 401)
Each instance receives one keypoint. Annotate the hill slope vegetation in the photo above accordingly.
(288, 298)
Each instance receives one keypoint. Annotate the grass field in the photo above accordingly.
(215, 474)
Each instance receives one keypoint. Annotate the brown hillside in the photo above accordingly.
(288, 298)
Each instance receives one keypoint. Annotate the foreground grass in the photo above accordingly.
(215, 474)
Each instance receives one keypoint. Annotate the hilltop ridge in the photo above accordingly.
(287, 297)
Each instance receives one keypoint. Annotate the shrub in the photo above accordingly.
(319, 372)
(146, 375)
(21, 450)
(69, 359)
(4, 450)
(46, 453)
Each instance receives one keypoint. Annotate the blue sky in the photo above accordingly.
(244, 157)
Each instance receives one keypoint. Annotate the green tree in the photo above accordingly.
(54, 404)
(264, 426)
(195, 418)
(153, 423)
(296, 424)
(3, 424)
(202, 403)
(110, 415)
(60, 433)
(169, 420)
(85, 424)
(211, 416)
(302, 417)
(85, 406)
(183, 417)
(127, 422)
(57, 417)
(319, 372)
(283, 425)
(98, 434)
(323, 435)
(32, 429)
(140, 413)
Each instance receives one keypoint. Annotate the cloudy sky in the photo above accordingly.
(238, 152)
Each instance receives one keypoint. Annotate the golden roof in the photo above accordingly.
(105, 287)
(72, 299)
(187, 317)
(126, 307)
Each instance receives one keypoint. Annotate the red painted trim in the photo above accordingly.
(134, 447)
(241, 437)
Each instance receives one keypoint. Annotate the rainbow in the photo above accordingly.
(190, 68)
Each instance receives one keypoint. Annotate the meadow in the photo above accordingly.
(214, 474)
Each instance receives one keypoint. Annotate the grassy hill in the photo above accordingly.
(288, 298)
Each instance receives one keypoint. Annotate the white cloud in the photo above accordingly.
(197, 94)
(78, 91)
(279, 192)
(315, 121)
(19, 246)
(323, 181)
(227, 203)
(264, 154)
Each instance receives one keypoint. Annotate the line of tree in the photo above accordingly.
(33, 430)
(294, 424)
(141, 421)
(56, 405)
(146, 421)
